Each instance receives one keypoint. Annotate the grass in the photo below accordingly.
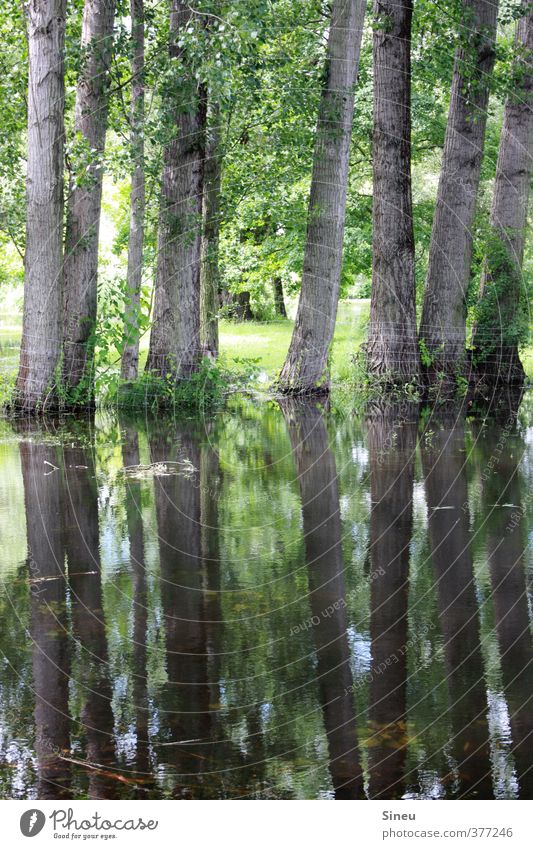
(268, 341)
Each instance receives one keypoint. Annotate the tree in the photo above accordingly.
(210, 274)
(41, 331)
(175, 337)
(443, 321)
(305, 369)
(130, 353)
(502, 322)
(392, 348)
(85, 198)
(279, 301)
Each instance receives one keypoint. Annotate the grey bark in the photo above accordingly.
(496, 346)
(210, 275)
(85, 198)
(306, 367)
(130, 353)
(392, 340)
(41, 331)
(175, 337)
(443, 322)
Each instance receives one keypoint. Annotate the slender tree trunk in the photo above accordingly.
(392, 340)
(41, 331)
(306, 366)
(85, 198)
(279, 302)
(500, 317)
(175, 338)
(443, 322)
(130, 354)
(210, 275)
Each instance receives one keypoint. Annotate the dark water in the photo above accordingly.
(272, 604)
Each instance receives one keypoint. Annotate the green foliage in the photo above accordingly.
(501, 315)
(204, 391)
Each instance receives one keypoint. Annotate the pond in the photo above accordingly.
(275, 602)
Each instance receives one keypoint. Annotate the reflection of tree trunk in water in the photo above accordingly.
(443, 461)
(85, 580)
(505, 548)
(130, 455)
(317, 476)
(392, 443)
(179, 528)
(49, 630)
(210, 477)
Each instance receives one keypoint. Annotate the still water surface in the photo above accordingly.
(275, 603)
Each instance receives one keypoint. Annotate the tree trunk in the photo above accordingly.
(210, 276)
(85, 200)
(392, 339)
(130, 354)
(41, 331)
(443, 322)
(279, 302)
(243, 309)
(175, 337)
(306, 366)
(500, 317)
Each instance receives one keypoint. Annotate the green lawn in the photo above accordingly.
(268, 341)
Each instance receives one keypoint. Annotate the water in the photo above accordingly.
(275, 603)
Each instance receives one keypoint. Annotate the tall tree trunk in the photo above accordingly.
(130, 353)
(443, 322)
(175, 337)
(306, 366)
(500, 317)
(85, 199)
(279, 302)
(210, 275)
(41, 331)
(392, 339)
